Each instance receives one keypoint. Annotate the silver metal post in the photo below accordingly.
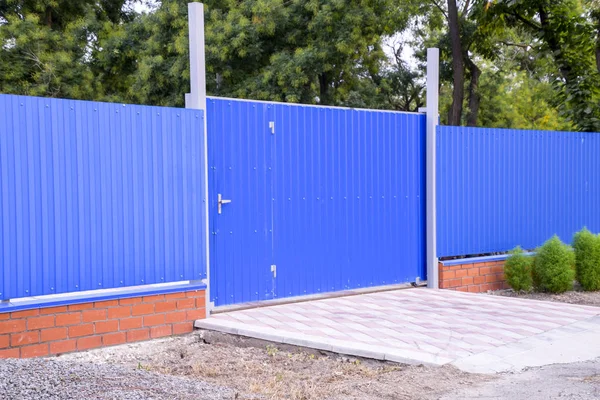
(433, 69)
(196, 99)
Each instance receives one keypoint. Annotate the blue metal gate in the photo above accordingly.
(322, 199)
(240, 170)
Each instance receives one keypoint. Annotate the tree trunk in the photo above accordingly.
(598, 52)
(49, 17)
(474, 97)
(554, 44)
(458, 66)
(596, 16)
(324, 92)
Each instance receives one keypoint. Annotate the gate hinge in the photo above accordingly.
(272, 127)
(274, 270)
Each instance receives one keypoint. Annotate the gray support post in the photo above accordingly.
(197, 64)
(196, 99)
(433, 69)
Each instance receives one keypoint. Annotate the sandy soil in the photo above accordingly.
(256, 369)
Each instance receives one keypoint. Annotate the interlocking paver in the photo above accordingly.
(474, 331)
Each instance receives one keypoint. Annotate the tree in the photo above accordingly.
(48, 47)
(459, 40)
(566, 31)
(513, 99)
(300, 51)
(458, 65)
(161, 76)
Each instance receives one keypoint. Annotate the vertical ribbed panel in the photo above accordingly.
(334, 198)
(240, 146)
(499, 188)
(98, 195)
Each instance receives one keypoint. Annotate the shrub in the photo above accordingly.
(553, 267)
(587, 259)
(517, 270)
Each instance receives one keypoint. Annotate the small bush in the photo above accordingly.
(517, 270)
(587, 259)
(553, 267)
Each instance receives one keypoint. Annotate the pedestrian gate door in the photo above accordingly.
(307, 199)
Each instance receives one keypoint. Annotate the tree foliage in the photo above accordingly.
(49, 47)
(300, 51)
(511, 98)
(517, 68)
(567, 31)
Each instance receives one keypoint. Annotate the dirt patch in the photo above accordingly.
(254, 369)
(572, 297)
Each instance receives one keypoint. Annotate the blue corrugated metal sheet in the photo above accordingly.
(499, 188)
(334, 199)
(240, 168)
(98, 195)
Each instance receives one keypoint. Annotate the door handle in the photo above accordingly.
(220, 202)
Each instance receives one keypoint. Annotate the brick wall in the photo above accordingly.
(475, 277)
(55, 330)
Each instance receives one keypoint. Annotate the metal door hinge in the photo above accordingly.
(272, 127)
(274, 270)
(220, 202)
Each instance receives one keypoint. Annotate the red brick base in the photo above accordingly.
(56, 330)
(475, 277)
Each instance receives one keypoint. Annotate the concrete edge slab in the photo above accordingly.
(533, 352)
(335, 346)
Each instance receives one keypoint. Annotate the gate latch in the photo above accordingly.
(274, 270)
(220, 202)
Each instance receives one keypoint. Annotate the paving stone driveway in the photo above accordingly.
(475, 332)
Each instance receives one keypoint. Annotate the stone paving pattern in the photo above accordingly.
(477, 332)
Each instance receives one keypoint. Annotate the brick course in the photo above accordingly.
(474, 278)
(56, 330)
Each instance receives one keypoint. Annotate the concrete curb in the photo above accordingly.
(335, 346)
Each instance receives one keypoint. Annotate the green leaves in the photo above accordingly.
(553, 267)
(587, 259)
(517, 270)
(566, 31)
(41, 61)
(63, 48)
(308, 51)
(513, 99)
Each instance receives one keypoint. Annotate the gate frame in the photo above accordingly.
(433, 88)
(196, 99)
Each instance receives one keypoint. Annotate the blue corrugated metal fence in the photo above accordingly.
(498, 188)
(98, 195)
(322, 199)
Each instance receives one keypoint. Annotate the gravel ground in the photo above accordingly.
(62, 379)
(256, 369)
(209, 365)
(572, 297)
